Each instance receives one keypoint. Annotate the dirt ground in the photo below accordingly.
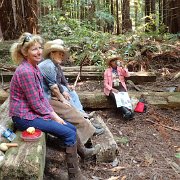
(147, 151)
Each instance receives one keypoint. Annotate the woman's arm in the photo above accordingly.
(106, 81)
(33, 93)
(124, 71)
(56, 118)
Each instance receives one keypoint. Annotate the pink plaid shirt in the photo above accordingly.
(26, 94)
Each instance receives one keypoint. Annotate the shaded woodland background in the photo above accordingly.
(115, 16)
(132, 28)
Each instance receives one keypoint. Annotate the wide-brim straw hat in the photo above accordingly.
(55, 45)
(112, 58)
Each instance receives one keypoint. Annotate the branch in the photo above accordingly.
(172, 128)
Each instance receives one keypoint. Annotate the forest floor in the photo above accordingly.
(146, 151)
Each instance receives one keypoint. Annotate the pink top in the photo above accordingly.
(26, 94)
(108, 80)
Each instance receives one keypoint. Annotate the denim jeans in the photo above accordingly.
(74, 101)
(66, 133)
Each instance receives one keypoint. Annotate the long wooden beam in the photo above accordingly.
(97, 99)
(71, 74)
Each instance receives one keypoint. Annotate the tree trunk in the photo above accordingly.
(174, 16)
(60, 4)
(1, 34)
(117, 17)
(160, 12)
(17, 17)
(126, 20)
(136, 12)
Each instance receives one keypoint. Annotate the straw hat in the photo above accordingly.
(55, 45)
(112, 58)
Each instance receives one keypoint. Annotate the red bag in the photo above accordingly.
(139, 107)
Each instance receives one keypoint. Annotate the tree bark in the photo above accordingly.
(17, 18)
(126, 20)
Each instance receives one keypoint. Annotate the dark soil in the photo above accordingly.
(146, 150)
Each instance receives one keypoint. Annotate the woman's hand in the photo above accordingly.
(66, 102)
(60, 121)
(66, 95)
(56, 118)
(114, 90)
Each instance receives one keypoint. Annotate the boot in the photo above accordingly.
(74, 171)
(86, 152)
(127, 114)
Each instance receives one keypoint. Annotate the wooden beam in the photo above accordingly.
(97, 99)
(136, 77)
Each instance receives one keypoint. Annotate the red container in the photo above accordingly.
(31, 137)
(139, 107)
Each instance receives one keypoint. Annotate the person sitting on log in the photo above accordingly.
(115, 86)
(54, 54)
(30, 108)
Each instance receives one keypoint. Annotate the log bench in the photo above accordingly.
(92, 72)
(97, 99)
(26, 161)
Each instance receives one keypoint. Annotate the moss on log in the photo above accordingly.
(97, 99)
(26, 161)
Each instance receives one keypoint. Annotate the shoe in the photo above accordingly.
(98, 132)
(86, 152)
(96, 125)
(91, 114)
(127, 113)
(74, 171)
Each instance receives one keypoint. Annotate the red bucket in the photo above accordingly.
(139, 107)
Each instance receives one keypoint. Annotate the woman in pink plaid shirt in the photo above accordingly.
(29, 107)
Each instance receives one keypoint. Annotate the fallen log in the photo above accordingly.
(92, 72)
(109, 148)
(136, 77)
(26, 161)
(97, 99)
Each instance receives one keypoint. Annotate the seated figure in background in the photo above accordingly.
(115, 86)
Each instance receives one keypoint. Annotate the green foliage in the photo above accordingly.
(47, 3)
(84, 40)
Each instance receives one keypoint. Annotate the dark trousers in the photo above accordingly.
(66, 133)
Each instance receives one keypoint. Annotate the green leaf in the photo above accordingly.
(177, 155)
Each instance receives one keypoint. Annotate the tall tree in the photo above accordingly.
(117, 17)
(174, 16)
(126, 20)
(150, 15)
(18, 16)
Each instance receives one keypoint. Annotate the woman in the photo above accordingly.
(67, 90)
(54, 53)
(29, 107)
(115, 87)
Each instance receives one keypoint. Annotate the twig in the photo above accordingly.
(173, 128)
(75, 83)
(4, 69)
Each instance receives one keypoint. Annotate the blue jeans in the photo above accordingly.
(66, 133)
(74, 101)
